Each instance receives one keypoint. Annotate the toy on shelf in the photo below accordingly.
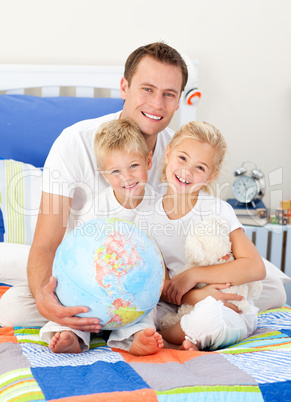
(254, 214)
(261, 212)
(283, 214)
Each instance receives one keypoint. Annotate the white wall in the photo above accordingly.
(243, 47)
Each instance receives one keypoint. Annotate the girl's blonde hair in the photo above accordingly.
(205, 133)
(118, 135)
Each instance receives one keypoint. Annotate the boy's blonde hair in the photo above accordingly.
(118, 135)
(205, 133)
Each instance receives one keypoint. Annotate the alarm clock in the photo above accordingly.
(249, 185)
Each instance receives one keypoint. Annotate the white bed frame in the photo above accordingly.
(272, 241)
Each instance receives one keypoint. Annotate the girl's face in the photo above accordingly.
(190, 165)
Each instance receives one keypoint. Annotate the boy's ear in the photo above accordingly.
(149, 160)
(123, 87)
(103, 174)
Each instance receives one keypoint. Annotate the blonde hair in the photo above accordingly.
(205, 133)
(118, 135)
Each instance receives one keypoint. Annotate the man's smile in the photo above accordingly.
(151, 116)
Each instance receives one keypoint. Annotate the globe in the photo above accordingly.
(112, 267)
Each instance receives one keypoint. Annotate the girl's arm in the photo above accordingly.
(248, 266)
(194, 296)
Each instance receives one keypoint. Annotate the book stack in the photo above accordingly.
(254, 214)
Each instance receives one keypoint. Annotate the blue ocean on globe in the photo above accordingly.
(112, 267)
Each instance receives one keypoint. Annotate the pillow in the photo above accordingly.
(2, 230)
(13, 263)
(1, 224)
(30, 124)
(20, 189)
(273, 272)
(274, 293)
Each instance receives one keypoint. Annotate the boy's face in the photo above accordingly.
(127, 175)
(153, 95)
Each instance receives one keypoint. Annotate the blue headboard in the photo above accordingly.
(30, 124)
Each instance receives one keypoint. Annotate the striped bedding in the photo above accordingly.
(257, 369)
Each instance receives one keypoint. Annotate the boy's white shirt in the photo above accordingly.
(107, 206)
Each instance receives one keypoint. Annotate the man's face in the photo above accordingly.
(153, 95)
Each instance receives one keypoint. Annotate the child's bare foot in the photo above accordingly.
(188, 345)
(146, 342)
(65, 342)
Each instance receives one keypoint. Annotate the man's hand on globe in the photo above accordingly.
(50, 307)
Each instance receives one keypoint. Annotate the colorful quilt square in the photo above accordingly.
(100, 377)
(12, 357)
(205, 370)
(266, 366)
(42, 356)
(20, 385)
(274, 392)
(216, 393)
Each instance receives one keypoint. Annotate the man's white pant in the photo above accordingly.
(18, 308)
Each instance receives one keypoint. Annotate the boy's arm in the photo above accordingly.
(166, 284)
(248, 266)
(50, 229)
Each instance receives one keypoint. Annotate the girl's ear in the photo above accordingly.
(167, 154)
(149, 160)
(212, 177)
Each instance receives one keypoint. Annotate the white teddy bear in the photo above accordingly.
(205, 245)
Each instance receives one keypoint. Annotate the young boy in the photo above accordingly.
(124, 160)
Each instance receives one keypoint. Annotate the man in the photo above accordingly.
(154, 78)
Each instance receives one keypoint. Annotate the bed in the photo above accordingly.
(256, 369)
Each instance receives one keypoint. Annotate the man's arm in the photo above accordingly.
(50, 229)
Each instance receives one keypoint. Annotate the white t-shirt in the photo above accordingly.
(170, 235)
(71, 169)
(109, 207)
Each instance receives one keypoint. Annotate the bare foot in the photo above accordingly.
(188, 345)
(146, 342)
(65, 342)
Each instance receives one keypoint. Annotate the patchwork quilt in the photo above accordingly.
(256, 369)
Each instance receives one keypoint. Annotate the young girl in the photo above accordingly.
(193, 160)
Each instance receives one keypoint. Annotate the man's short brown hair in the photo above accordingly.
(159, 51)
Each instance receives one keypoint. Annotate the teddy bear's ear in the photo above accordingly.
(194, 250)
